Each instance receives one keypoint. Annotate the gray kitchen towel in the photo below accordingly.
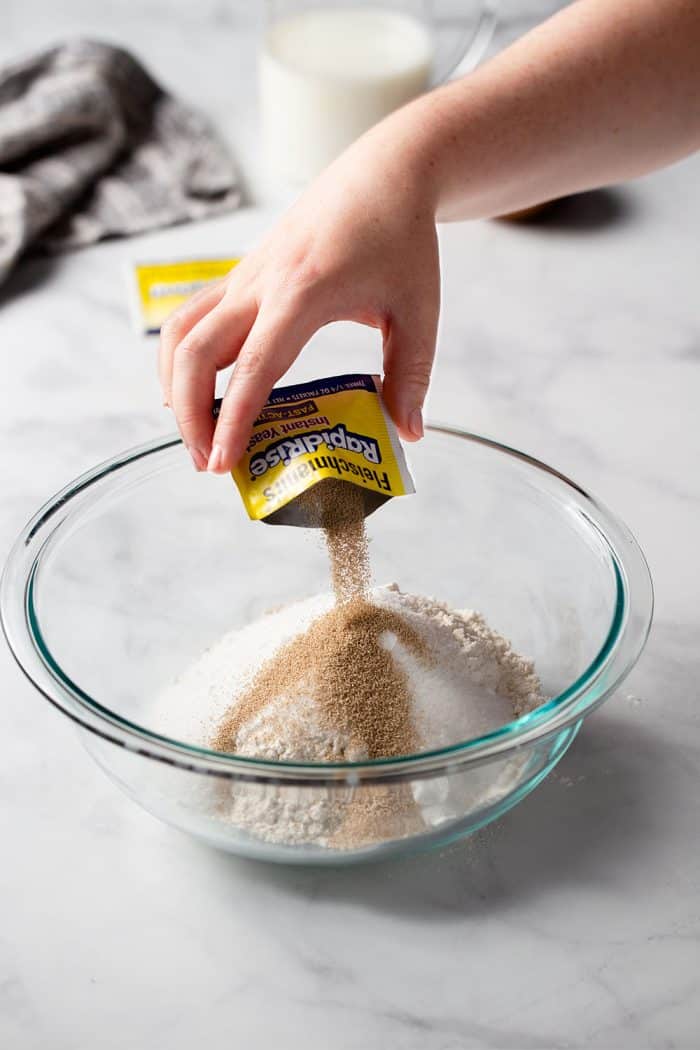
(92, 147)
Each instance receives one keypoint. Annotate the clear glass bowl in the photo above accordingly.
(129, 573)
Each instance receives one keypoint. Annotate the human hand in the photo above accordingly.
(359, 245)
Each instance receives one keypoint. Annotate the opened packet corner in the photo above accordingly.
(329, 428)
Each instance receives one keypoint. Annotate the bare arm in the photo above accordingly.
(604, 91)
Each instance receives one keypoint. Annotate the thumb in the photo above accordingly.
(409, 350)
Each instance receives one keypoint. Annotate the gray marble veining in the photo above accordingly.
(573, 922)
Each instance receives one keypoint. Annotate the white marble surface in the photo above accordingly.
(573, 921)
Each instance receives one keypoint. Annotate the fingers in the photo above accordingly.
(272, 345)
(212, 344)
(409, 350)
(176, 327)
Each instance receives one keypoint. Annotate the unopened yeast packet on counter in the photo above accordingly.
(158, 288)
(330, 428)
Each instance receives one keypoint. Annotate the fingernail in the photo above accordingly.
(198, 458)
(215, 459)
(415, 423)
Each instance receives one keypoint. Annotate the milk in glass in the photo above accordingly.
(328, 74)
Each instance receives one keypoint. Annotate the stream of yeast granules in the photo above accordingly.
(340, 660)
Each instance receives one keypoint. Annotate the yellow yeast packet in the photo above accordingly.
(160, 287)
(329, 428)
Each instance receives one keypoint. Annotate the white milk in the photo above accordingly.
(326, 75)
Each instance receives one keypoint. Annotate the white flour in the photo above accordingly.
(475, 684)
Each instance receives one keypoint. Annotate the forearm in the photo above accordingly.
(606, 90)
(602, 92)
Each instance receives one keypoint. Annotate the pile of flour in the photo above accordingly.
(473, 684)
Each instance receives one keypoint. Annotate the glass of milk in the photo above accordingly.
(330, 70)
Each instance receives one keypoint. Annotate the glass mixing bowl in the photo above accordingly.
(129, 573)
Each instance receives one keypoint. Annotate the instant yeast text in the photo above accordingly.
(329, 428)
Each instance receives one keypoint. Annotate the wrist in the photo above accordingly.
(426, 142)
(398, 155)
(415, 153)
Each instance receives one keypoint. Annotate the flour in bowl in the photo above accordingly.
(473, 683)
(360, 674)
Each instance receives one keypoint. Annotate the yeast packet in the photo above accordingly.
(329, 428)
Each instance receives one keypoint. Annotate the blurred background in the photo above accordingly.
(207, 53)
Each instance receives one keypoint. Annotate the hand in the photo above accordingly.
(359, 245)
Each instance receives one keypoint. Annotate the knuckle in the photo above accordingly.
(300, 282)
(188, 417)
(172, 327)
(417, 373)
(226, 425)
(413, 375)
(242, 271)
(229, 421)
(301, 262)
(190, 347)
(253, 362)
(306, 278)
(413, 368)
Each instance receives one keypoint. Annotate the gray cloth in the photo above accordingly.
(92, 147)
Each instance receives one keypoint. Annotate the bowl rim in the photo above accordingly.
(619, 652)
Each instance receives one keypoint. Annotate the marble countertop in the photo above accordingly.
(573, 921)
